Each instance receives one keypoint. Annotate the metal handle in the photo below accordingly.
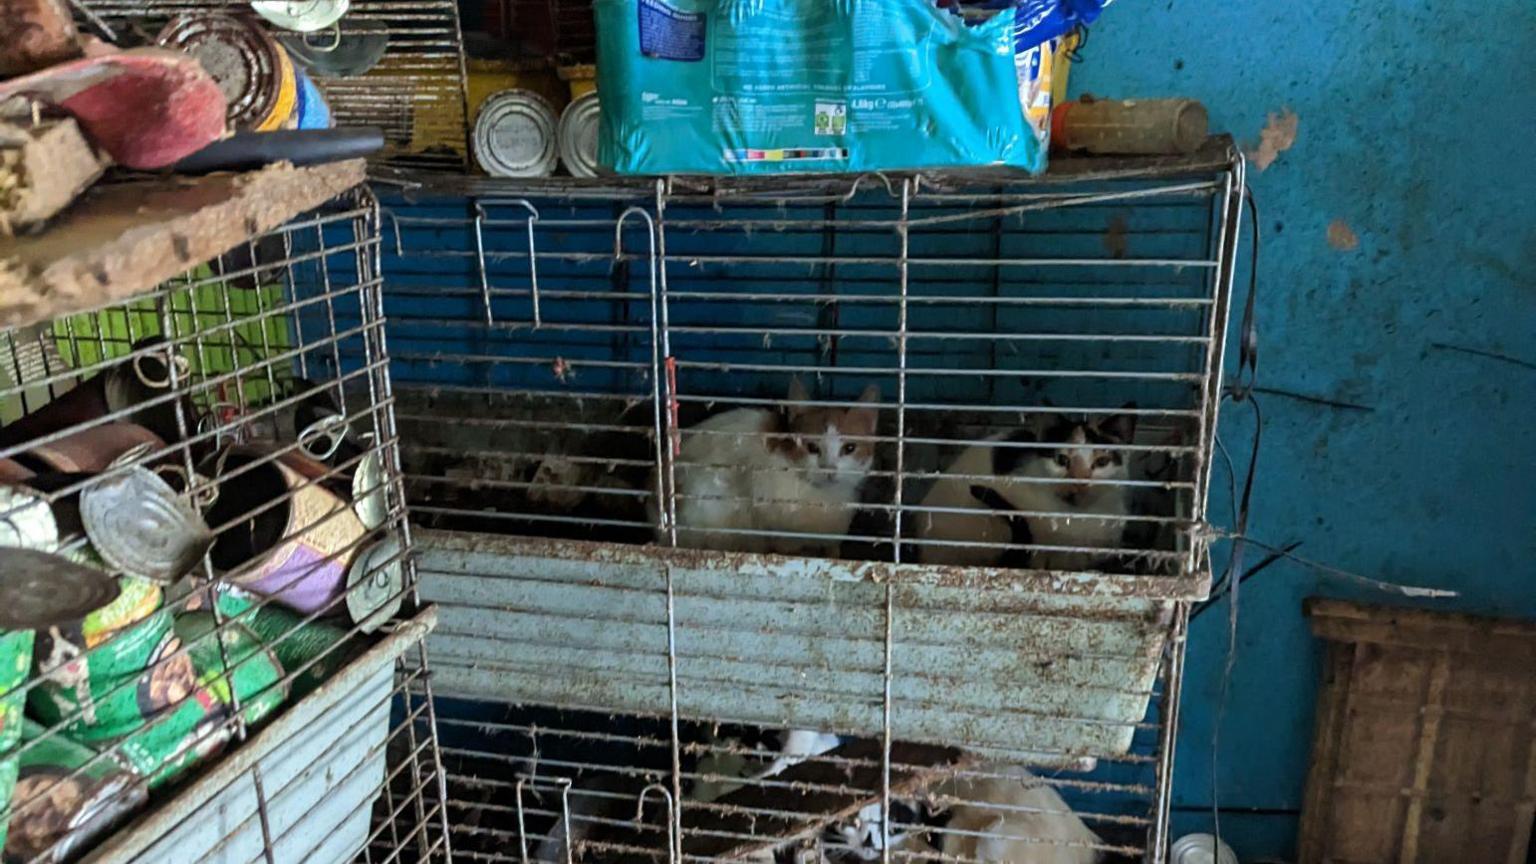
(533, 255)
(565, 813)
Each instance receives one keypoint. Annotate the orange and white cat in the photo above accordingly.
(784, 482)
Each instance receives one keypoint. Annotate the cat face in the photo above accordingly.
(830, 444)
(1081, 458)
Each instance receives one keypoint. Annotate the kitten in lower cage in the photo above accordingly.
(1081, 488)
(1014, 820)
(792, 472)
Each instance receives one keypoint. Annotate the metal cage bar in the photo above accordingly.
(797, 691)
(239, 420)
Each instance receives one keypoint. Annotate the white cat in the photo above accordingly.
(1027, 822)
(1088, 508)
(756, 470)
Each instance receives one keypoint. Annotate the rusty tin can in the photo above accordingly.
(128, 384)
(251, 68)
(67, 797)
(93, 450)
(289, 537)
(12, 471)
(41, 33)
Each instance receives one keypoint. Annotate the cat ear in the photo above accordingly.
(866, 416)
(797, 394)
(1121, 427)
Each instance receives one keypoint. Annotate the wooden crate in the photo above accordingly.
(1423, 751)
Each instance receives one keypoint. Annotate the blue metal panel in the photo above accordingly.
(1408, 118)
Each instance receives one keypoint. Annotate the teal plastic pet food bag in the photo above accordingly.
(775, 86)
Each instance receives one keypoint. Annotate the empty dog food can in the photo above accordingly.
(516, 135)
(578, 136)
(376, 584)
(15, 662)
(191, 693)
(288, 538)
(86, 669)
(92, 450)
(9, 765)
(67, 796)
(312, 651)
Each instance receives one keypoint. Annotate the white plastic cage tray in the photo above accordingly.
(1059, 666)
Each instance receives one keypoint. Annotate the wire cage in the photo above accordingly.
(850, 518)
(560, 29)
(413, 88)
(216, 462)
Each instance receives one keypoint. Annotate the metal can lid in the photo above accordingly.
(304, 16)
(240, 56)
(1200, 849)
(369, 496)
(40, 589)
(376, 584)
(515, 135)
(578, 137)
(141, 526)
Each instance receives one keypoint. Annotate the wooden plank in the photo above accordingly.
(1316, 808)
(123, 239)
(42, 170)
(1342, 621)
(1424, 757)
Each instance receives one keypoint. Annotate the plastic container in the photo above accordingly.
(1130, 127)
(516, 135)
(312, 111)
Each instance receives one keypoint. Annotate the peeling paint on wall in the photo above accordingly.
(1277, 136)
(1342, 237)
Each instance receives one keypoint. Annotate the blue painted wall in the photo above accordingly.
(1413, 119)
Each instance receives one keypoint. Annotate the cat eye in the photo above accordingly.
(813, 449)
(1103, 461)
(848, 449)
(1062, 459)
